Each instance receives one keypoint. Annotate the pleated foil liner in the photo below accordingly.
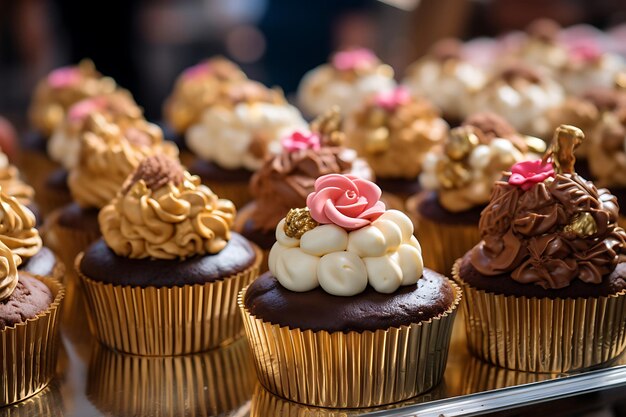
(204, 384)
(540, 334)
(47, 402)
(350, 370)
(48, 200)
(166, 321)
(29, 351)
(243, 215)
(443, 243)
(236, 191)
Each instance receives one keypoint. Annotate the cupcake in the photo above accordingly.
(607, 156)
(117, 108)
(29, 307)
(446, 78)
(285, 180)
(233, 138)
(542, 48)
(164, 278)
(393, 132)
(521, 95)
(108, 153)
(457, 179)
(52, 98)
(345, 252)
(545, 287)
(346, 81)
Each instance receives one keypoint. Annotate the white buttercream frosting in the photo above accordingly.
(384, 255)
(578, 78)
(64, 148)
(225, 136)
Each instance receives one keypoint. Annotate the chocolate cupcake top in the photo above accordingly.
(607, 149)
(463, 170)
(163, 212)
(108, 154)
(118, 107)
(62, 88)
(9, 262)
(17, 227)
(547, 226)
(348, 79)
(197, 89)
(345, 240)
(286, 180)
(393, 132)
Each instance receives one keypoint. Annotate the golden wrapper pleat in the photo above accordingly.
(443, 243)
(242, 217)
(350, 370)
(48, 200)
(236, 191)
(48, 402)
(204, 384)
(29, 351)
(542, 334)
(165, 321)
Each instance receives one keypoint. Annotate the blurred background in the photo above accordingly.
(145, 44)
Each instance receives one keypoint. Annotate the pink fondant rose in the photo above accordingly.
(585, 51)
(64, 77)
(198, 70)
(528, 173)
(84, 108)
(301, 141)
(346, 201)
(353, 59)
(390, 100)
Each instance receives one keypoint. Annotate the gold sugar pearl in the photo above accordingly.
(299, 221)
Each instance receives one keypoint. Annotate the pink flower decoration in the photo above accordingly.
(64, 77)
(528, 173)
(300, 141)
(84, 108)
(585, 51)
(346, 201)
(197, 71)
(390, 100)
(353, 59)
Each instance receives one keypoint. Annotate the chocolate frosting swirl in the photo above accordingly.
(163, 212)
(8, 271)
(17, 227)
(529, 234)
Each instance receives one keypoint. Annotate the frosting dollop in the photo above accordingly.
(62, 88)
(17, 227)
(163, 212)
(394, 139)
(9, 262)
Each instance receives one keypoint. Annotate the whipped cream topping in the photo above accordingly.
(349, 242)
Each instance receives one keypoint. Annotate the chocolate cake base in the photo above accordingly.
(264, 240)
(210, 171)
(41, 264)
(74, 216)
(101, 264)
(430, 208)
(399, 186)
(504, 285)
(370, 310)
(57, 181)
(29, 298)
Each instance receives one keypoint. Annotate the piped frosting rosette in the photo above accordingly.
(350, 77)
(344, 240)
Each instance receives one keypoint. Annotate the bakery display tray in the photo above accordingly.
(94, 381)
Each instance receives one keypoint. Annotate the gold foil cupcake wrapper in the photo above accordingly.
(542, 334)
(29, 351)
(166, 321)
(236, 191)
(350, 370)
(48, 402)
(127, 385)
(442, 243)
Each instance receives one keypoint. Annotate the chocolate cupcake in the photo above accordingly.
(393, 132)
(285, 180)
(52, 98)
(109, 152)
(346, 81)
(446, 78)
(29, 307)
(167, 247)
(347, 253)
(457, 179)
(545, 288)
(236, 134)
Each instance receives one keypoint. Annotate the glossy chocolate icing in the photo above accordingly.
(430, 208)
(370, 310)
(101, 264)
(74, 216)
(210, 171)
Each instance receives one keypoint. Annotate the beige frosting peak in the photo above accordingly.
(163, 212)
(17, 227)
(109, 153)
(9, 262)
(12, 184)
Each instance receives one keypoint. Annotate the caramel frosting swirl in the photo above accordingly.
(12, 184)
(394, 141)
(9, 262)
(109, 153)
(17, 227)
(163, 212)
(557, 231)
(607, 149)
(62, 88)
